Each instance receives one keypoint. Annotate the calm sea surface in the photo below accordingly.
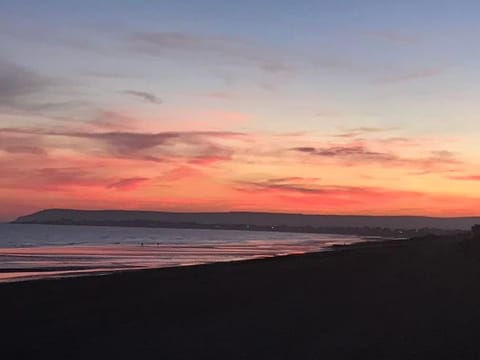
(40, 251)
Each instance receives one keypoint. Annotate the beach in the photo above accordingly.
(404, 299)
(36, 251)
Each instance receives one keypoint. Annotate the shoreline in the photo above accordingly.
(413, 299)
(58, 272)
(43, 249)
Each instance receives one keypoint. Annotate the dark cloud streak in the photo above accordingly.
(436, 161)
(149, 97)
(127, 184)
(355, 151)
(200, 147)
(17, 82)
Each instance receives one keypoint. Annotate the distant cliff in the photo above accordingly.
(342, 224)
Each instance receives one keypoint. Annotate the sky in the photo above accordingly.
(320, 107)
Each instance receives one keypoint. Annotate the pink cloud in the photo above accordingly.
(208, 160)
(350, 200)
(466, 177)
(128, 184)
(182, 172)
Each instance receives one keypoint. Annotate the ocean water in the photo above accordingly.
(45, 251)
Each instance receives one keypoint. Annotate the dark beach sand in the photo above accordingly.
(416, 299)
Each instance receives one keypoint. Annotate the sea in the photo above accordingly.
(32, 252)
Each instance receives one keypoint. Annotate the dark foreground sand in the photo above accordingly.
(416, 299)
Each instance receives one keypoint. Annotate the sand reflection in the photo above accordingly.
(54, 261)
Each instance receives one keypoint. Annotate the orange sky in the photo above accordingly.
(316, 107)
(358, 171)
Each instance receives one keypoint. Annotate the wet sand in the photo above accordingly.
(415, 299)
(51, 255)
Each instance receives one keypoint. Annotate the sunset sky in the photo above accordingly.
(345, 107)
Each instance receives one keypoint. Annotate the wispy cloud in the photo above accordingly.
(59, 178)
(290, 184)
(411, 75)
(358, 152)
(472, 177)
(206, 148)
(149, 97)
(182, 172)
(23, 144)
(221, 48)
(325, 194)
(24, 91)
(364, 130)
(16, 82)
(202, 147)
(128, 184)
(352, 199)
(53, 179)
(105, 120)
(64, 178)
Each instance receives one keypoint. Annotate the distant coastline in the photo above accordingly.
(384, 226)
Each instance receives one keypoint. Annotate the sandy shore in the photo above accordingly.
(416, 299)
